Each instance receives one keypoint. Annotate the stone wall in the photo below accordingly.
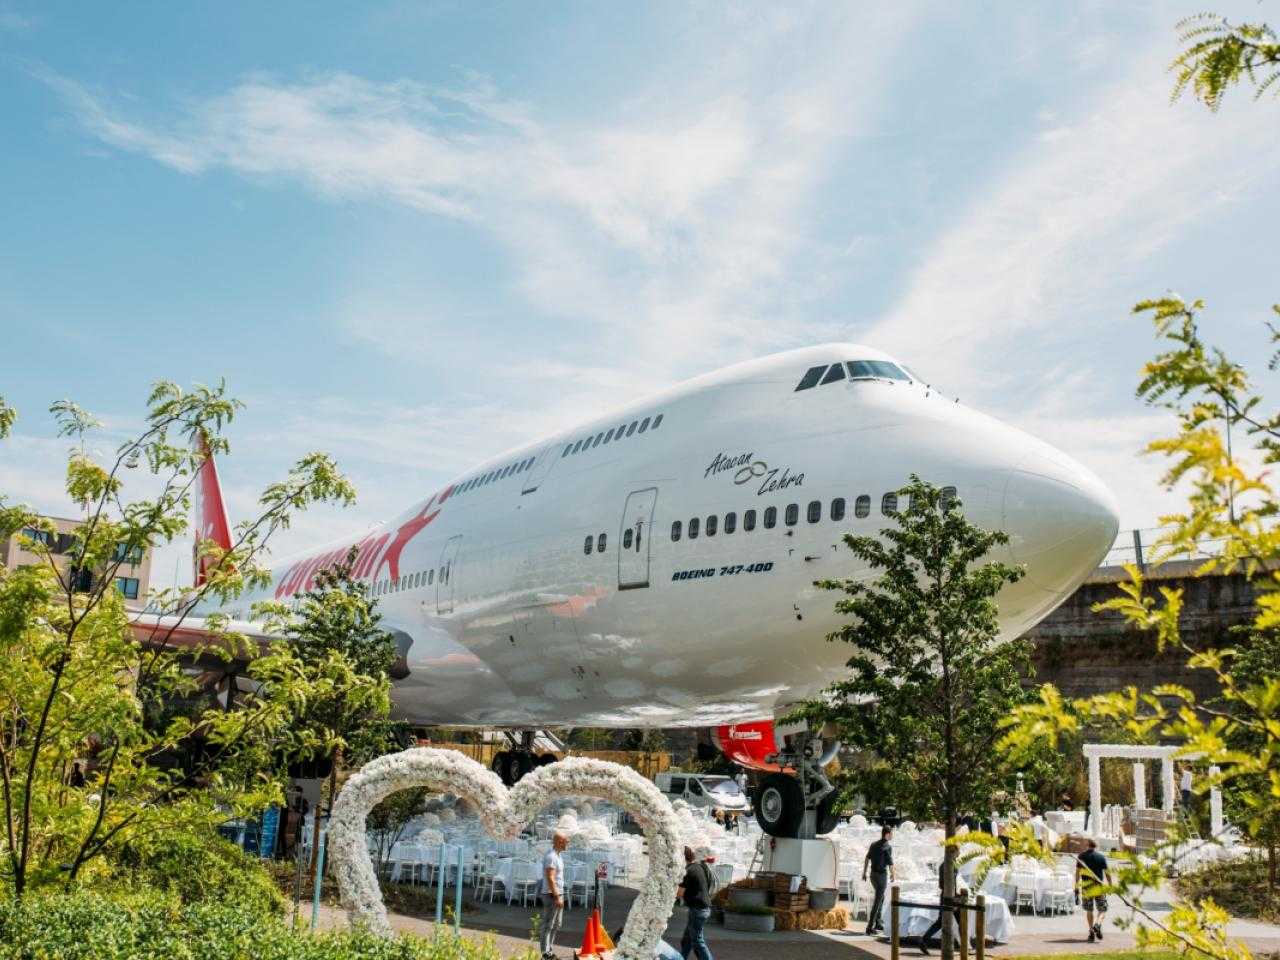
(1084, 653)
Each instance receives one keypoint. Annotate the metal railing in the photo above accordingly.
(1137, 546)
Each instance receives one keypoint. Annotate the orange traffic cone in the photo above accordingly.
(603, 940)
(589, 946)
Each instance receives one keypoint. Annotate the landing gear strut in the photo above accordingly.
(802, 804)
(511, 765)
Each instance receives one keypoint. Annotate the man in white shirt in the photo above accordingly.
(551, 890)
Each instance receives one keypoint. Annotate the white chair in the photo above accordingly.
(524, 882)
(1024, 891)
(1061, 894)
(500, 876)
(578, 883)
(847, 880)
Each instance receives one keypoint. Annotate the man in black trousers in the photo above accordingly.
(880, 859)
(936, 926)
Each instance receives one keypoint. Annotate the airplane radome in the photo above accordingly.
(655, 566)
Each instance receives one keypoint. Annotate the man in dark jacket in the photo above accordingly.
(695, 892)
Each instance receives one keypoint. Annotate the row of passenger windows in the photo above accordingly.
(613, 433)
(596, 543)
(857, 370)
(410, 581)
(493, 476)
(791, 515)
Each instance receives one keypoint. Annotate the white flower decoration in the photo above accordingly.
(503, 813)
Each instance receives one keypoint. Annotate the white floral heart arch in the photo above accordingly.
(504, 812)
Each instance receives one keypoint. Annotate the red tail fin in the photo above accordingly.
(210, 512)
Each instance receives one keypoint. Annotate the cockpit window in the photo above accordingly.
(811, 378)
(835, 373)
(876, 369)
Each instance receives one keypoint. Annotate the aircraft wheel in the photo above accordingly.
(520, 763)
(779, 805)
(828, 814)
(501, 765)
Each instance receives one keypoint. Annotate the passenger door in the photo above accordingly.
(538, 473)
(445, 575)
(634, 538)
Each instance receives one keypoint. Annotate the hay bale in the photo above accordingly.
(837, 919)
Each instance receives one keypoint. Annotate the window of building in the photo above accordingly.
(948, 496)
(588, 544)
(644, 425)
(632, 429)
(749, 521)
(730, 522)
(675, 530)
(835, 373)
(123, 553)
(889, 504)
(837, 508)
(656, 420)
(770, 517)
(693, 528)
(627, 536)
(600, 541)
(793, 514)
(712, 523)
(862, 506)
(128, 587)
(811, 378)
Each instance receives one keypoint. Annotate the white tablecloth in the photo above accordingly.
(914, 921)
(999, 882)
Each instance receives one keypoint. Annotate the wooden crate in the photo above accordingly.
(791, 902)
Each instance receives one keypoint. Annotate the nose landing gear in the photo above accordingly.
(802, 805)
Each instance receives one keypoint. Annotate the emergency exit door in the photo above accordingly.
(634, 539)
(445, 575)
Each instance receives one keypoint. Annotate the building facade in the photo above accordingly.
(132, 578)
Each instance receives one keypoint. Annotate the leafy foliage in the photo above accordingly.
(1238, 731)
(1219, 54)
(87, 765)
(929, 657)
(91, 927)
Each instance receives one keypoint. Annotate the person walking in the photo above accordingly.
(1184, 785)
(1091, 866)
(936, 926)
(551, 891)
(693, 891)
(879, 859)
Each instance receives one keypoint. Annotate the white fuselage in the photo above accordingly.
(508, 621)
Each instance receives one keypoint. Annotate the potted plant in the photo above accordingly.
(749, 919)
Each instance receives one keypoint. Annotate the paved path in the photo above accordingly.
(510, 928)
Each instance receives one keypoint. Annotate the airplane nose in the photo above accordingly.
(1060, 518)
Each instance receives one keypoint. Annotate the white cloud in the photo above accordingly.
(1049, 247)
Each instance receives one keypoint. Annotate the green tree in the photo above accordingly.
(332, 632)
(1219, 54)
(77, 669)
(929, 656)
(1232, 506)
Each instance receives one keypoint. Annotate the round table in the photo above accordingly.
(914, 921)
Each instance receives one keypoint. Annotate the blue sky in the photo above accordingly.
(415, 234)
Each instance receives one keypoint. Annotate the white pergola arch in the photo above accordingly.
(1095, 753)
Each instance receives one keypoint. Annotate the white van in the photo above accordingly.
(703, 790)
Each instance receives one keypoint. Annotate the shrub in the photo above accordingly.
(194, 868)
(1238, 886)
(85, 926)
